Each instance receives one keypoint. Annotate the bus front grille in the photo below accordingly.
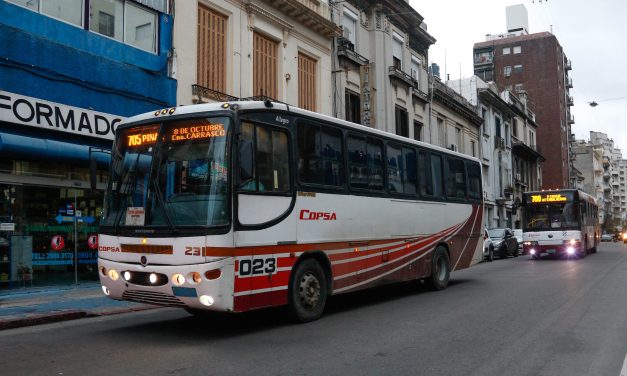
(151, 297)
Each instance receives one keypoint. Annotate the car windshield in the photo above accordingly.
(175, 174)
(496, 233)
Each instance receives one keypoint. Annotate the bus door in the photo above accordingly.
(264, 228)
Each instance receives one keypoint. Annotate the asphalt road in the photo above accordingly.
(507, 317)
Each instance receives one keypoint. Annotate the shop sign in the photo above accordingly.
(135, 216)
(64, 258)
(7, 226)
(34, 112)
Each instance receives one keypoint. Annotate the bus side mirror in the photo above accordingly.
(246, 162)
(92, 172)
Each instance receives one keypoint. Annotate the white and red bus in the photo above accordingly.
(243, 205)
(559, 223)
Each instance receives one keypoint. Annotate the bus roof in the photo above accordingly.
(244, 105)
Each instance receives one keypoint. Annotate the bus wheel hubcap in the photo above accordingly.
(309, 290)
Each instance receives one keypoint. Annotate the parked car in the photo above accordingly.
(519, 239)
(488, 247)
(606, 238)
(505, 244)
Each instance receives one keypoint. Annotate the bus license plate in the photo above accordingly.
(550, 251)
(186, 292)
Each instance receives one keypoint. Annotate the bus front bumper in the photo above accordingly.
(199, 286)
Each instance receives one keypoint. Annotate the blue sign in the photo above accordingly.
(66, 218)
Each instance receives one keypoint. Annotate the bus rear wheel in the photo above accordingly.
(307, 292)
(440, 270)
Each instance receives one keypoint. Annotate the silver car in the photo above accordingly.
(519, 237)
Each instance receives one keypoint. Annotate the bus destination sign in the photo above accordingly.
(196, 132)
(176, 134)
(548, 197)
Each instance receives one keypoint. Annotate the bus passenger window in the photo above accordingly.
(320, 155)
(358, 174)
(474, 180)
(270, 172)
(425, 184)
(436, 173)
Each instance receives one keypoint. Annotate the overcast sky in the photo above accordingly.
(593, 34)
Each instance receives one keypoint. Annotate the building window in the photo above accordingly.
(306, 82)
(441, 133)
(473, 148)
(483, 57)
(497, 126)
(518, 88)
(515, 127)
(402, 128)
(418, 130)
(517, 49)
(264, 66)
(141, 27)
(118, 19)
(518, 68)
(415, 68)
(507, 70)
(458, 140)
(349, 25)
(352, 107)
(397, 51)
(507, 50)
(211, 48)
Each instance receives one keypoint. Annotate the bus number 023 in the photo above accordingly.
(258, 266)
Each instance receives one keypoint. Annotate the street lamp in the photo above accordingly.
(593, 104)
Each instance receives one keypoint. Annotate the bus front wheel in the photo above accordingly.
(440, 270)
(307, 292)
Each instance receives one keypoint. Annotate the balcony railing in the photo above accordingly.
(402, 76)
(571, 119)
(347, 49)
(568, 65)
(499, 142)
(205, 93)
(569, 82)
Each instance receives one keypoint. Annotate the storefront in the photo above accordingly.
(49, 215)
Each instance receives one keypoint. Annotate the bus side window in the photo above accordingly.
(320, 155)
(474, 180)
(425, 185)
(268, 169)
(437, 175)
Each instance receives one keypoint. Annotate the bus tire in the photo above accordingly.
(440, 270)
(307, 294)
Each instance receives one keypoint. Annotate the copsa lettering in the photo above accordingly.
(103, 248)
(306, 215)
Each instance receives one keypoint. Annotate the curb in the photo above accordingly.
(43, 319)
(64, 316)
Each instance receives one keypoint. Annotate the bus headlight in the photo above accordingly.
(206, 300)
(195, 277)
(570, 250)
(127, 275)
(152, 278)
(113, 274)
(177, 279)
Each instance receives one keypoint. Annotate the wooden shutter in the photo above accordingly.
(306, 82)
(211, 61)
(264, 66)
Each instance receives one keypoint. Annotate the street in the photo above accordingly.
(507, 317)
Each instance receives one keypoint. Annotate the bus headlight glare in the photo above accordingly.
(177, 279)
(572, 241)
(113, 274)
(532, 251)
(570, 250)
(206, 300)
(153, 278)
(127, 276)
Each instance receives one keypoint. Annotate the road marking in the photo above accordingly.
(623, 372)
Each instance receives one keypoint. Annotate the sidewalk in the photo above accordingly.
(34, 306)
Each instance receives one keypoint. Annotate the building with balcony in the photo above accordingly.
(515, 60)
(610, 184)
(225, 50)
(503, 181)
(70, 71)
(391, 94)
(589, 161)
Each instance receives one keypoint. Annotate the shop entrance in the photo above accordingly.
(52, 237)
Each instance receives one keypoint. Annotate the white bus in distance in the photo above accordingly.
(250, 204)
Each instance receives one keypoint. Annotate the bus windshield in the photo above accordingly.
(170, 174)
(552, 216)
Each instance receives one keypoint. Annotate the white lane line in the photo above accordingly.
(623, 372)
